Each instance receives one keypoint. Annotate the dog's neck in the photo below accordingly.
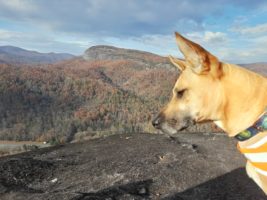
(245, 98)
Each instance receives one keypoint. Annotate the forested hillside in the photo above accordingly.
(100, 97)
(104, 92)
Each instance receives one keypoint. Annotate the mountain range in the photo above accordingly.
(16, 55)
(107, 90)
(260, 67)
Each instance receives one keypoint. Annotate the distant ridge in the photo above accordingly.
(16, 55)
(105, 52)
(260, 67)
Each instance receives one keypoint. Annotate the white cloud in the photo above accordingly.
(160, 41)
(43, 42)
(208, 39)
(214, 37)
(166, 44)
(226, 47)
(118, 18)
(19, 5)
(253, 30)
(5, 34)
(242, 56)
(250, 43)
(247, 50)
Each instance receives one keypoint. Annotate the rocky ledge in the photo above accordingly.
(136, 166)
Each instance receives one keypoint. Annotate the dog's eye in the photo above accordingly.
(180, 93)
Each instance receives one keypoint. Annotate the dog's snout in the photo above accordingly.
(156, 122)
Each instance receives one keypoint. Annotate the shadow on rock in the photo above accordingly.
(136, 190)
(231, 186)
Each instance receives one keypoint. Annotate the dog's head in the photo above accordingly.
(196, 95)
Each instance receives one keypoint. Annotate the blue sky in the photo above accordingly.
(233, 30)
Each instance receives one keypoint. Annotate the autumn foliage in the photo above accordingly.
(60, 100)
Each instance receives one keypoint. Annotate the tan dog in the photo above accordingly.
(207, 89)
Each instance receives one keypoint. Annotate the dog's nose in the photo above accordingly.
(157, 121)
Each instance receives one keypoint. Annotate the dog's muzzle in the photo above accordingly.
(171, 126)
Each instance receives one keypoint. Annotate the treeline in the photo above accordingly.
(59, 102)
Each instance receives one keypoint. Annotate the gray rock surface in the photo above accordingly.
(136, 166)
(142, 58)
(103, 52)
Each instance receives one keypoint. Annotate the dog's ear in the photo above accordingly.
(199, 59)
(180, 64)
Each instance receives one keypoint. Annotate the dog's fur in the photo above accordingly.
(207, 89)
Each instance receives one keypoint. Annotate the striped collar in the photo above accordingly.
(259, 126)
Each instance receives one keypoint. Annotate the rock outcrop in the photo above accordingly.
(136, 166)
